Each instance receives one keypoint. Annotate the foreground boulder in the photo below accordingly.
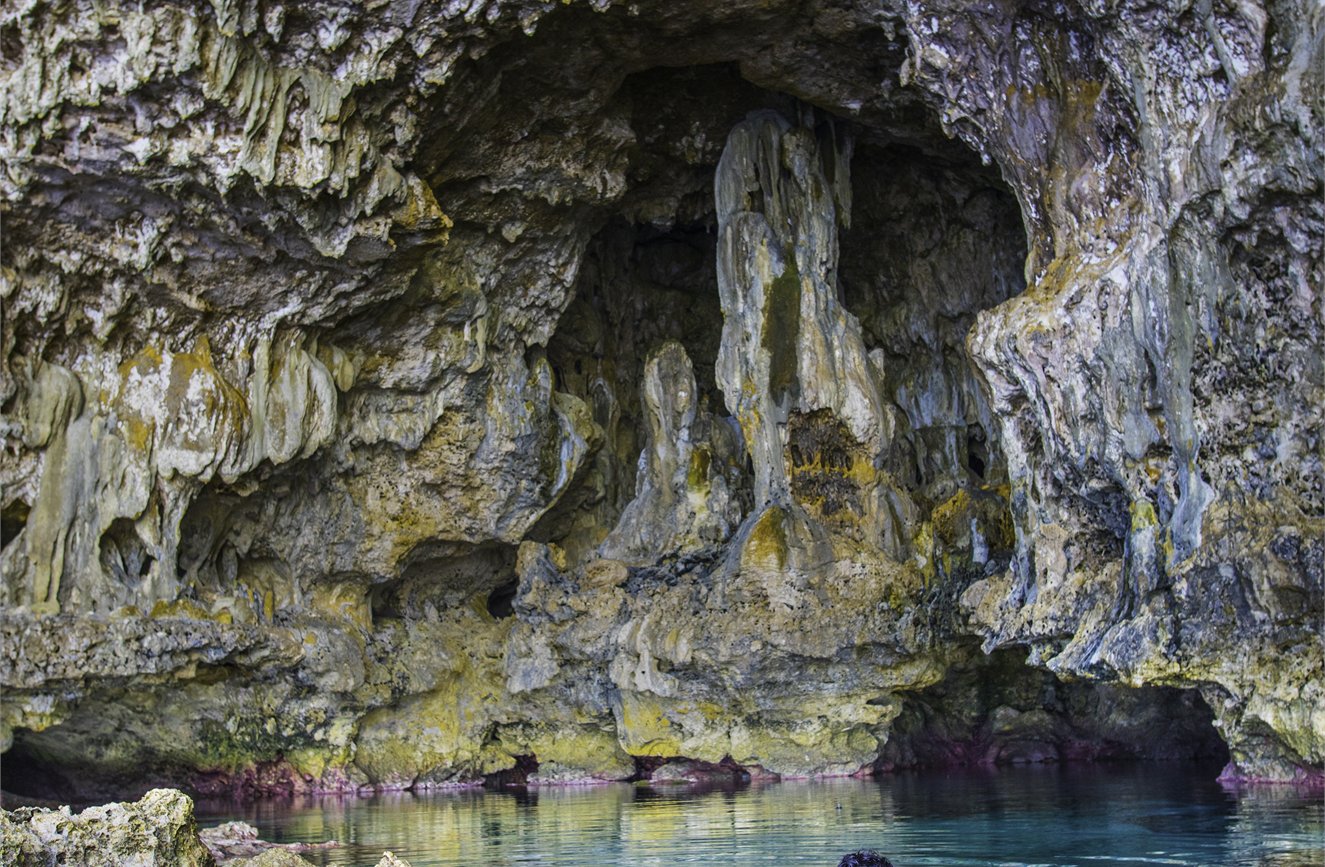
(156, 831)
(271, 858)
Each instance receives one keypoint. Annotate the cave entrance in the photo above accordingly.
(997, 710)
(30, 775)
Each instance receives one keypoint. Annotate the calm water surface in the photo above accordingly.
(1090, 816)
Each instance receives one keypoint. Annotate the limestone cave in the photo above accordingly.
(406, 396)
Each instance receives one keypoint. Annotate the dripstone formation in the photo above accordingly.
(405, 394)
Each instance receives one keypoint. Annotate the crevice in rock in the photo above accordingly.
(821, 451)
(124, 555)
(12, 519)
(501, 602)
(384, 603)
(438, 577)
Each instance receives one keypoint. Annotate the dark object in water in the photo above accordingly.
(864, 858)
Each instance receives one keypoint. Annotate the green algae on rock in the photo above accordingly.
(158, 831)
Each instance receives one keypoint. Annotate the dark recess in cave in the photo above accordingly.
(933, 241)
(445, 576)
(123, 554)
(639, 286)
(26, 773)
(516, 777)
(997, 710)
(977, 455)
(501, 602)
(13, 518)
(384, 603)
(935, 237)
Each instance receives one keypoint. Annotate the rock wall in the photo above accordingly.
(403, 394)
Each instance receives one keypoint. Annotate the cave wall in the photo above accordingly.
(762, 358)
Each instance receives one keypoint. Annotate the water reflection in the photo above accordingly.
(1045, 815)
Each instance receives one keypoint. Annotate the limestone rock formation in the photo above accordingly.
(403, 394)
(687, 490)
(238, 843)
(157, 831)
(271, 858)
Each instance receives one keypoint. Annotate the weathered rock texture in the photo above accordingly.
(157, 831)
(396, 394)
(238, 843)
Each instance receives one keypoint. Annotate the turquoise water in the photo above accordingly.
(1052, 815)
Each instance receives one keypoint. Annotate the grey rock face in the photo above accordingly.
(789, 348)
(395, 392)
(684, 498)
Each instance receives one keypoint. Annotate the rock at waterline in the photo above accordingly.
(271, 858)
(156, 831)
(235, 840)
(286, 858)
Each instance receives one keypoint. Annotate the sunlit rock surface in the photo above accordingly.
(405, 394)
(157, 831)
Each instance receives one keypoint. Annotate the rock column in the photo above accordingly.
(793, 365)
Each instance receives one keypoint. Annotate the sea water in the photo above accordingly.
(1040, 815)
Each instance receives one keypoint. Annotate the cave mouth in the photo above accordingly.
(59, 766)
(997, 710)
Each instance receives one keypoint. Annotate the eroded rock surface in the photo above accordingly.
(157, 831)
(404, 394)
(238, 843)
